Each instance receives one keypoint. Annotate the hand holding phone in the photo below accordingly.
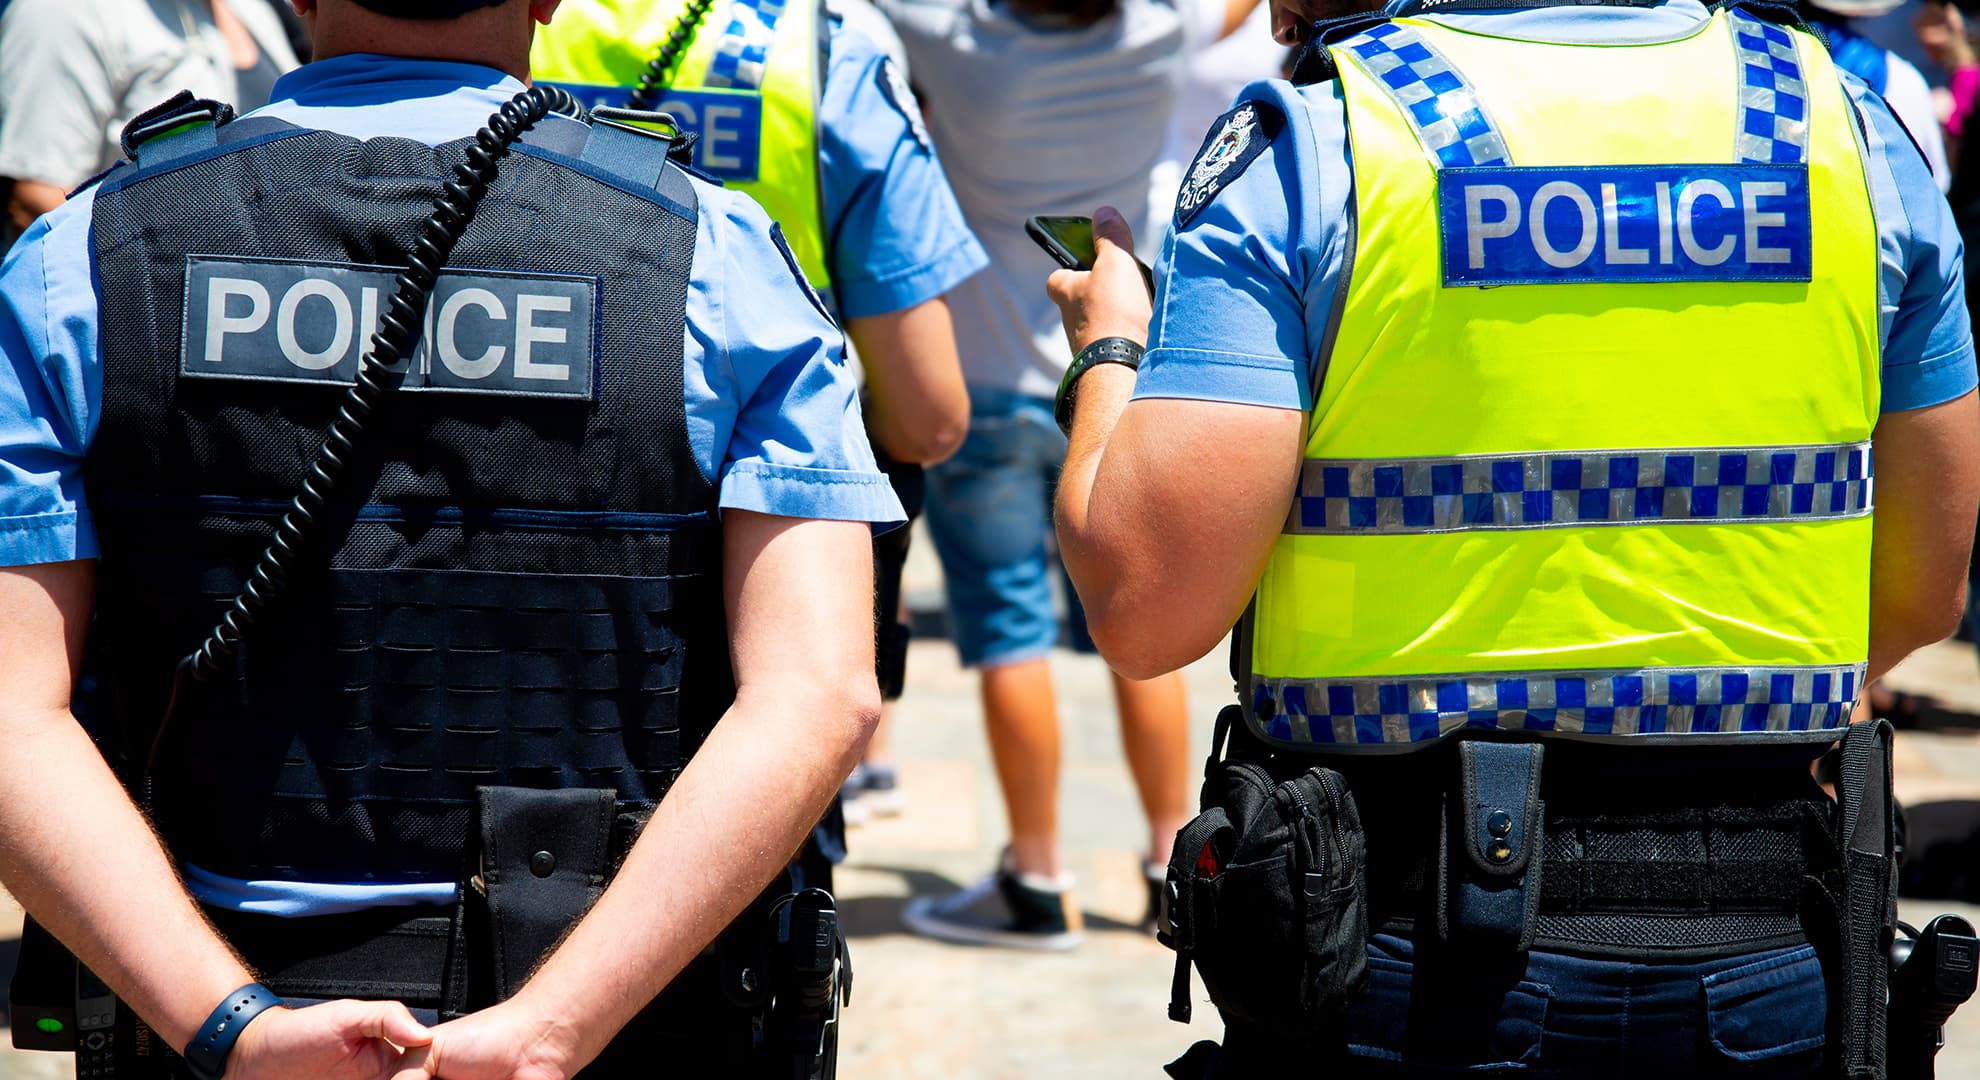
(1069, 240)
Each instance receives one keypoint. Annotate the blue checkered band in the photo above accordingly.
(1773, 99)
(1448, 117)
(740, 58)
(1692, 703)
(1621, 487)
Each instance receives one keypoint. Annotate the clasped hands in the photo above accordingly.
(380, 1040)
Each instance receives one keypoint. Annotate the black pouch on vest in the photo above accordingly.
(1491, 848)
(545, 857)
(1268, 897)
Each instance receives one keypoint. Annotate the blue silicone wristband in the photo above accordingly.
(206, 1054)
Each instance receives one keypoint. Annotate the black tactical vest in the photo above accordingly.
(518, 582)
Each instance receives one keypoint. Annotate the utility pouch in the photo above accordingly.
(1268, 896)
(1490, 882)
(545, 857)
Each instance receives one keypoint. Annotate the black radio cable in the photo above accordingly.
(657, 79)
(391, 347)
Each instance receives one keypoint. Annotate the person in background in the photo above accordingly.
(1037, 107)
(823, 132)
(1228, 50)
(1894, 78)
(1941, 32)
(72, 74)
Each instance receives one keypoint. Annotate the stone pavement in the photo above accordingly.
(927, 1010)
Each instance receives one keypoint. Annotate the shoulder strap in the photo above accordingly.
(174, 128)
(630, 145)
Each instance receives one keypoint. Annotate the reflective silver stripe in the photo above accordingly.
(1433, 94)
(1686, 702)
(742, 56)
(1356, 497)
(1773, 98)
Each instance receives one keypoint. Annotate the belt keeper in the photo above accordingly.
(1490, 884)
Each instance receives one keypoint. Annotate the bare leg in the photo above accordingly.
(1023, 722)
(1155, 735)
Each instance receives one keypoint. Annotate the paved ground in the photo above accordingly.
(923, 1010)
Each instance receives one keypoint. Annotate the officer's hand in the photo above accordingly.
(338, 1040)
(504, 1042)
(1111, 300)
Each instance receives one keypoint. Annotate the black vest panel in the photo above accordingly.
(506, 590)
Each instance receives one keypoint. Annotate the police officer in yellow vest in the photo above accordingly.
(1515, 384)
(814, 119)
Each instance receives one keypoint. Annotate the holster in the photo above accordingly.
(1489, 884)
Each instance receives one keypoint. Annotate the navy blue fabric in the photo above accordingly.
(1561, 1017)
(1855, 53)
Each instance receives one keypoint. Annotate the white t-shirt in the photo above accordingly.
(1218, 69)
(1032, 119)
(74, 72)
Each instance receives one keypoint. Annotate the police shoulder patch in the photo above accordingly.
(895, 86)
(1237, 138)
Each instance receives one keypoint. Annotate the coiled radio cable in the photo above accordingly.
(657, 79)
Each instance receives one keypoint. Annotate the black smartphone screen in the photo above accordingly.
(1069, 240)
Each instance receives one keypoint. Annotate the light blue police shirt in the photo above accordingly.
(772, 410)
(894, 234)
(1246, 286)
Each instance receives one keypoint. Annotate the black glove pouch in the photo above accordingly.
(1491, 848)
(545, 857)
(1267, 895)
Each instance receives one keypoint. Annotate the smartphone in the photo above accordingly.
(1069, 240)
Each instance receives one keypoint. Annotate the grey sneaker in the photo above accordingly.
(1002, 909)
(880, 790)
(852, 798)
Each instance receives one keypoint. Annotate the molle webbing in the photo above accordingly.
(507, 591)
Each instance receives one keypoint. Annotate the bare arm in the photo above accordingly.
(79, 856)
(917, 407)
(800, 602)
(30, 199)
(1928, 485)
(1167, 509)
(1235, 13)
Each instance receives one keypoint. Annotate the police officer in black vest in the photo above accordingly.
(469, 534)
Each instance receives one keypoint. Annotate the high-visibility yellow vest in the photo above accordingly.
(1590, 454)
(749, 84)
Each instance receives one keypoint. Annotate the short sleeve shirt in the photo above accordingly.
(772, 410)
(1247, 284)
(72, 74)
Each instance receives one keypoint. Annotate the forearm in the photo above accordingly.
(30, 199)
(79, 856)
(1092, 546)
(728, 826)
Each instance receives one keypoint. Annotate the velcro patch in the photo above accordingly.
(1234, 141)
(486, 332)
(1624, 223)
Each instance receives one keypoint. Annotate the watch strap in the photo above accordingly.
(206, 1054)
(1114, 350)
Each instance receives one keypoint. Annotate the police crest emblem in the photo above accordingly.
(1235, 139)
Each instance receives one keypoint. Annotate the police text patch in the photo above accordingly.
(1235, 139)
(1624, 223)
(486, 331)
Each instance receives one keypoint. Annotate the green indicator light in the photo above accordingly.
(48, 1025)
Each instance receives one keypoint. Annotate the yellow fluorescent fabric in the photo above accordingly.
(1420, 370)
(599, 48)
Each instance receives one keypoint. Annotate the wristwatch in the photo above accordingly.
(1113, 350)
(206, 1054)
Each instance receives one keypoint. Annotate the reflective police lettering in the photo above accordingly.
(492, 332)
(731, 127)
(1643, 223)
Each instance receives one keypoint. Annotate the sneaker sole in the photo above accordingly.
(918, 919)
(856, 812)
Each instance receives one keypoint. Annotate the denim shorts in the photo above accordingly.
(990, 516)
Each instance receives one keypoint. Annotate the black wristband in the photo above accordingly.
(1113, 350)
(206, 1054)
